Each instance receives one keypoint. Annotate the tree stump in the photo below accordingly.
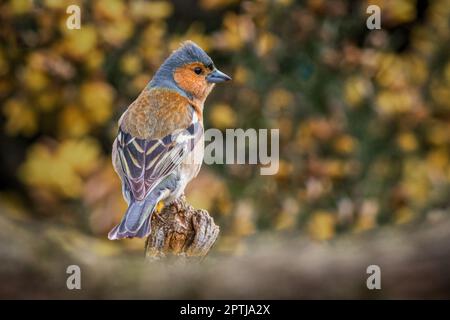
(181, 230)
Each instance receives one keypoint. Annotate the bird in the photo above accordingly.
(159, 145)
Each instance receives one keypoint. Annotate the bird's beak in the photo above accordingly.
(217, 76)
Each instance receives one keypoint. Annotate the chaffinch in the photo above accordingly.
(159, 146)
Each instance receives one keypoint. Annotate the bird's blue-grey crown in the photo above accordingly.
(188, 52)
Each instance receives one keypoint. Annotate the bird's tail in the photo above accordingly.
(136, 221)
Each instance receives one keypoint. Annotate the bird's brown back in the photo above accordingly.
(156, 113)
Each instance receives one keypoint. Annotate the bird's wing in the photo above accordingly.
(146, 162)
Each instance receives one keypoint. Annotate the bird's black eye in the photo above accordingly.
(198, 70)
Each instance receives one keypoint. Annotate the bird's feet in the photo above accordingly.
(158, 209)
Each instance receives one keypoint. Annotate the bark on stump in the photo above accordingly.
(181, 230)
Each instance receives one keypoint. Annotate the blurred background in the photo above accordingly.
(364, 115)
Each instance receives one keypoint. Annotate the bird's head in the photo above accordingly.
(189, 71)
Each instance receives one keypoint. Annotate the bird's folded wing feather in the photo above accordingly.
(146, 162)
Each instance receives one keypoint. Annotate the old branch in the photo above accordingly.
(180, 230)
